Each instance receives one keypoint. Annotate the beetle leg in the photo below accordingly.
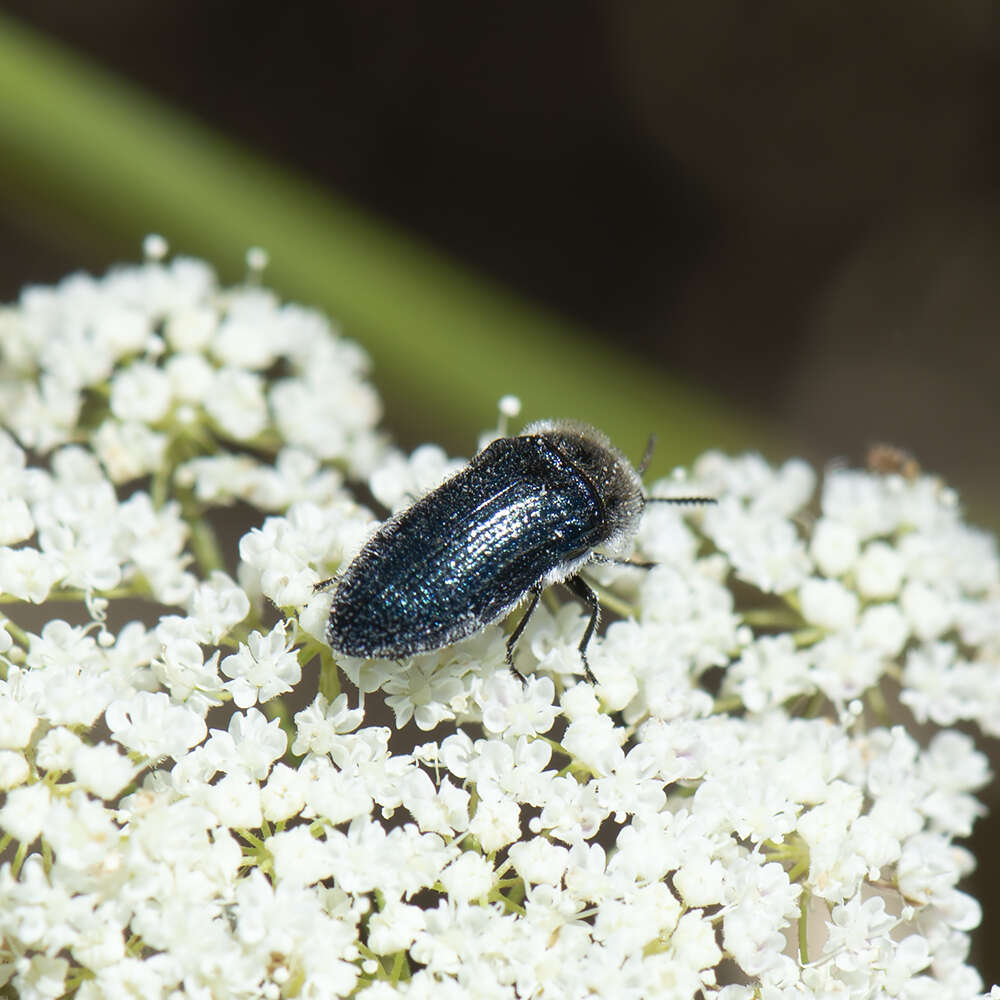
(585, 592)
(516, 634)
(604, 560)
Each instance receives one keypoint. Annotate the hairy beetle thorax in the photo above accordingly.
(615, 484)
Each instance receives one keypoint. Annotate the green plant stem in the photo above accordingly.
(89, 156)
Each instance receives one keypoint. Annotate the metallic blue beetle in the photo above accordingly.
(525, 513)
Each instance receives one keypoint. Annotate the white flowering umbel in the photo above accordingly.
(740, 810)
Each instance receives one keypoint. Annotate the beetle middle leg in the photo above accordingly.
(585, 592)
(536, 592)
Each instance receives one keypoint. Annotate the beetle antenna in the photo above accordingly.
(647, 455)
(690, 500)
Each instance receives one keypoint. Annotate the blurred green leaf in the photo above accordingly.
(88, 152)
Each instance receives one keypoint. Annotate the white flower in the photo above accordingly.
(17, 722)
(189, 677)
(844, 668)
(468, 877)
(16, 522)
(834, 546)
(247, 335)
(516, 769)
(150, 725)
(129, 449)
(752, 942)
(190, 329)
(217, 605)
(295, 476)
(284, 795)
(701, 880)
(399, 480)
(42, 416)
(251, 744)
(749, 478)
(56, 749)
(928, 612)
(764, 814)
(858, 933)
(953, 769)
(882, 627)
(879, 571)
(443, 809)
(141, 393)
(190, 375)
(395, 927)
(427, 692)
(263, 667)
(327, 407)
(102, 770)
(939, 686)
(14, 769)
(152, 541)
(835, 869)
(235, 800)
(538, 860)
(27, 574)
(636, 838)
(861, 501)
(928, 869)
(693, 942)
(596, 742)
(84, 548)
(828, 603)
(65, 679)
(568, 810)
(318, 725)
(497, 821)
(765, 550)
(646, 914)
(335, 796)
(768, 672)
(25, 812)
(664, 536)
(899, 968)
(102, 944)
(514, 708)
(282, 551)
(40, 976)
(236, 403)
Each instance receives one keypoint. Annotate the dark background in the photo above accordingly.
(793, 204)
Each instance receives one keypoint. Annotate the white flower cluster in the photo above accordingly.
(741, 809)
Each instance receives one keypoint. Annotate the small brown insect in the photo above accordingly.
(888, 460)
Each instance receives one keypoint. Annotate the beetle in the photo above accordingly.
(527, 512)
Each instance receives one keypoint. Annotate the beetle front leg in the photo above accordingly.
(516, 634)
(585, 592)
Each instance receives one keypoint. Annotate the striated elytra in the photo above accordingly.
(525, 513)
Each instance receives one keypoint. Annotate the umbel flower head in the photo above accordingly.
(763, 797)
